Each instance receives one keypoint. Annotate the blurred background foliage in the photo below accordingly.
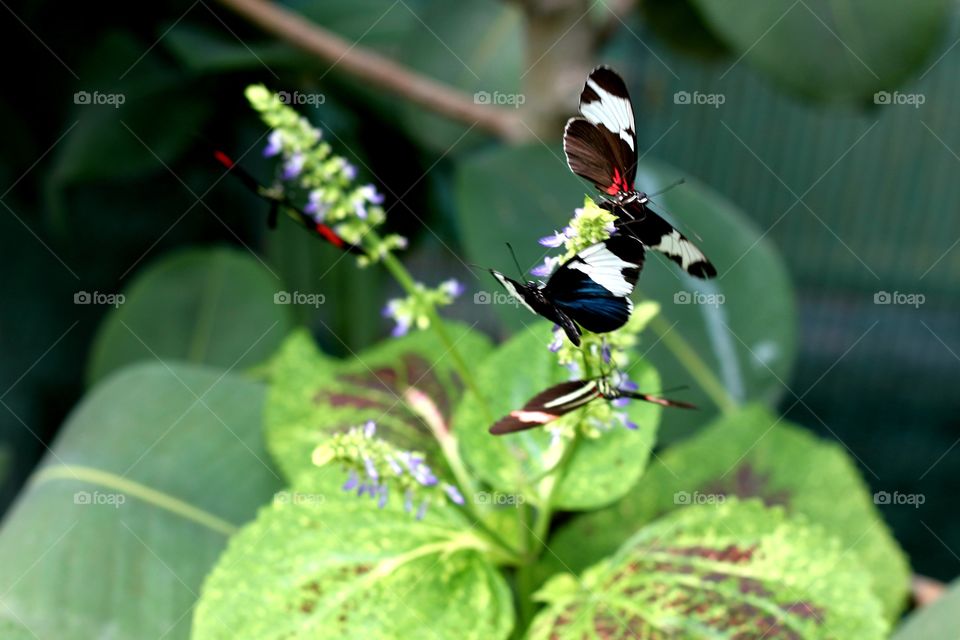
(799, 176)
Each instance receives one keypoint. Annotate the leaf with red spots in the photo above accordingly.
(404, 385)
(750, 454)
(735, 570)
(331, 565)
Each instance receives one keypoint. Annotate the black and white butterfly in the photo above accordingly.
(601, 146)
(559, 400)
(591, 289)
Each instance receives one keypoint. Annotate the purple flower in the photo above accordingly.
(274, 144)
(382, 496)
(368, 194)
(626, 421)
(351, 482)
(553, 241)
(419, 470)
(557, 340)
(453, 493)
(540, 271)
(408, 501)
(605, 352)
(293, 166)
(452, 287)
(395, 466)
(369, 429)
(349, 171)
(402, 327)
(422, 511)
(370, 468)
(315, 206)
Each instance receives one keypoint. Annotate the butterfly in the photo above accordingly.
(278, 199)
(561, 399)
(601, 146)
(591, 289)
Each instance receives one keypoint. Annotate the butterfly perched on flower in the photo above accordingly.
(601, 146)
(278, 199)
(561, 399)
(590, 290)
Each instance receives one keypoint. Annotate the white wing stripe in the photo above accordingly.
(612, 112)
(573, 396)
(512, 290)
(605, 268)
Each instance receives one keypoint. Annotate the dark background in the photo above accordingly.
(88, 205)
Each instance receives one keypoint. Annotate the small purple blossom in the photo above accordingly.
(402, 327)
(274, 144)
(369, 429)
(452, 287)
(352, 481)
(368, 194)
(453, 493)
(422, 510)
(395, 466)
(370, 469)
(293, 166)
(626, 421)
(382, 494)
(557, 342)
(605, 352)
(408, 501)
(553, 241)
(315, 206)
(349, 171)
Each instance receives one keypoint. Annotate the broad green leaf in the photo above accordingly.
(938, 620)
(114, 533)
(680, 26)
(211, 306)
(327, 564)
(752, 454)
(831, 50)
(397, 384)
(748, 341)
(600, 470)
(737, 570)
(476, 47)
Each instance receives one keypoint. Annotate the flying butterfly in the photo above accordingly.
(559, 400)
(278, 199)
(591, 289)
(601, 146)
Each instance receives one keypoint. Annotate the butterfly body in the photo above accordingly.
(601, 146)
(591, 290)
(561, 399)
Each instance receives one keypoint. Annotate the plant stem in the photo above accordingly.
(694, 365)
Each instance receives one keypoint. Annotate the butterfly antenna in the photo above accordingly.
(675, 183)
(523, 276)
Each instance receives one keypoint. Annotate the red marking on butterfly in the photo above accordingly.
(223, 159)
(329, 235)
(619, 183)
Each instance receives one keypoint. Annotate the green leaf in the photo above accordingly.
(312, 395)
(831, 50)
(752, 454)
(737, 570)
(680, 25)
(476, 47)
(938, 620)
(600, 470)
(143, 486)
(326, 564)
(749, 340)
(211, 306)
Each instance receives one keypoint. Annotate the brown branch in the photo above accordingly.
(378, 70)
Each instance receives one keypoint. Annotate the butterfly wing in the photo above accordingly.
(536, 303)
(638, 220)
(593, 287)
(601, 146)
(547, 406)
(646, 397)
